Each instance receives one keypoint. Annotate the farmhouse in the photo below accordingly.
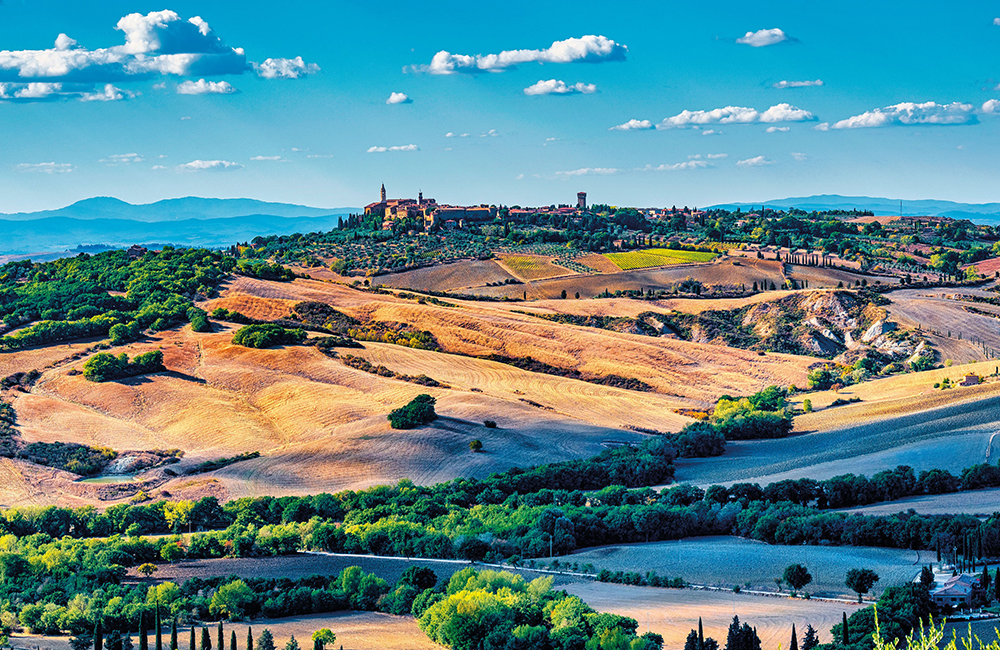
(956, 591)
(970, 379)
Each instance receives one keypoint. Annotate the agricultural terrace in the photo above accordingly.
(531, 267)
(652, 257)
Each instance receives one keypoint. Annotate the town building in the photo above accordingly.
(581, 200)
(955, 591)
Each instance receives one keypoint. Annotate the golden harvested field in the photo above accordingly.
(599, 263)
(731, 271)
(531, 267)
(938, 310)
(675, 612)
(828, 278)
(456, 276)
(354, 630)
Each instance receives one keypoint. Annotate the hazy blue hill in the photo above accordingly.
(191, 207)
(61, 233)
(980, 212)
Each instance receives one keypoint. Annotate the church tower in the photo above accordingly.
(383, 192)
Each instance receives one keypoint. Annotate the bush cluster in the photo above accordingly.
(266, 335)
(107, 367)
(418, 412)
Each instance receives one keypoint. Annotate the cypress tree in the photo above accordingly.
(192, 647)
(996, 585)
(173, 635)
(701, 635)
(206, 639)
(143, 638)
(232, 640)
(98, 636)
(845, 638)
(249, 638)
(159, 630)
(794, 643)
(222, 638)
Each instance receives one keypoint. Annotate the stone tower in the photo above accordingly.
(383, 192)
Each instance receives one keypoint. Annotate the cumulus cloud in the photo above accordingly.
(588, 171)
(756, 161)
(991, 106)
(763, 37)
(777, 129)
(798, 84)
(690, 164)
(996, 21)
(405, 147)
(711, 132)
(449, 134)
(202, 87)
(270, 158)
(557, 87)
(711, 156)
(284, 68)
(398, 98)
(492, 133)
(910, 114)
(209, 166)
(45, 168)
(799, 156)
(159, 43)
(42, 91)
(633, 125)
(737, 115)
(589, 48)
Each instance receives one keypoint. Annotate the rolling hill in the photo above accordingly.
(977, 212)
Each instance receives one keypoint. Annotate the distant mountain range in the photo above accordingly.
(190, 221)
(988, 213)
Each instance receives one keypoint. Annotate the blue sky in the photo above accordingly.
(292, 104)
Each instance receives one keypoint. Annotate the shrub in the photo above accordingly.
(106, 367)
(266, 335)
(418, 412)
(476, 445)
(490, 424)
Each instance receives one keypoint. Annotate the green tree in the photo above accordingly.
(98, 636)
(206, 639)
(221, 638)
(249, 638)
(232, 641)
(173, 635)
(810, 639)
(794, 643)
(292, 644)
(476, 445)
(143, 633)
(418, 412)
(325, 636)
(860, 581)
(266, 641)
(797, 575)
(231, 601)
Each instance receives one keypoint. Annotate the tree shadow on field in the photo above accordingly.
(146, 379)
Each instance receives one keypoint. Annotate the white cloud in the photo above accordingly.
(756, 161)
(202, 87)
(209, 166)
(37, 91)
(588, 171)
(991, 106)
(557, 87)
(589, 48)
(551, 139)
(996, 21)
(763, 37)
(909, 114)
(285, 68)
(123, 159)
(398, 98)
(449, 134)
(271, 158)
(690, 164)
(822, 126)
(717, 156)
(492, 133)
(519, 177)
(633, 125)
(157, 167)
(45, 168)
(160, 42)
(320, 155)
(736, 115)
(799, 156)
(776, 129)
(711, 132)
(798, 84)
(405, 147)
